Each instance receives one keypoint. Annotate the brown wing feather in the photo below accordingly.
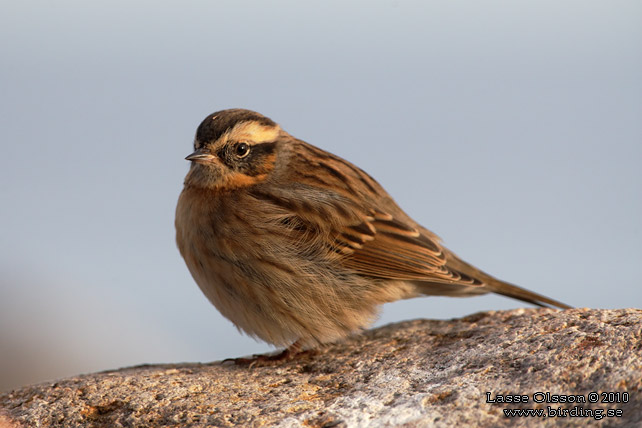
(385, 247)
(382, 244)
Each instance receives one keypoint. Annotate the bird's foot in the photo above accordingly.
(290, 353)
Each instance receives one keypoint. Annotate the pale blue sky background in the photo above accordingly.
(511, 129)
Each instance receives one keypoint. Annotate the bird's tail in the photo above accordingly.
(494, 285)
(519, 293)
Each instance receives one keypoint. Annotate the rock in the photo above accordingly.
(419, 373)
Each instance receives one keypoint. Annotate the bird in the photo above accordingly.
(298, 247)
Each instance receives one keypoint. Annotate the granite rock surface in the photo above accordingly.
(577, 367)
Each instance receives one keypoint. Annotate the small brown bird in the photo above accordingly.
(299, 247)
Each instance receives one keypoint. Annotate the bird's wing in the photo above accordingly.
(385, 247)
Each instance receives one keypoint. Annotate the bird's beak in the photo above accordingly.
(201, 156)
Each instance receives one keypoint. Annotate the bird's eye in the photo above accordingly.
(241, 150)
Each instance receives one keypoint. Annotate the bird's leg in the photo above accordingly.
(289, 353)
